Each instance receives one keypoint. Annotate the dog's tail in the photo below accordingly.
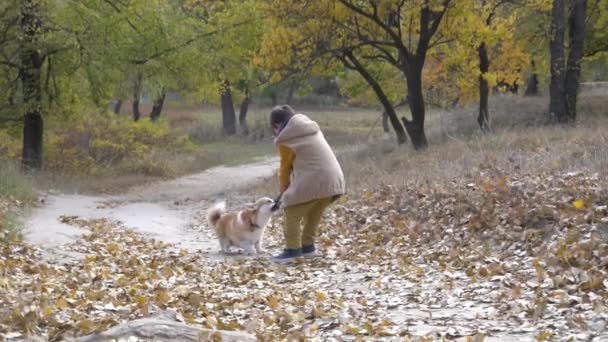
(215, 212)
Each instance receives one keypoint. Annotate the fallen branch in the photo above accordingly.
(165, 327)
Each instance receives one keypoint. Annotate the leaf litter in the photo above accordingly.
(495, 255)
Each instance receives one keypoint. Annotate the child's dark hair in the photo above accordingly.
(281, 115)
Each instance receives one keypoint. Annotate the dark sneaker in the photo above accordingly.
(310, 252)
(288, 255)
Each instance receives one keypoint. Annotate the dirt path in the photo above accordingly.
(165, 211)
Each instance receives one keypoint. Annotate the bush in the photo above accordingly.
(88, 144)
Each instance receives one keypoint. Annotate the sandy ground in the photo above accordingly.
(166, 211)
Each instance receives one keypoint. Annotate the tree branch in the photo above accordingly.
(9, 64)
(117, 9)
(18, 119)
(596, 51)
(374, 17)
(426, 33)
(186, 43)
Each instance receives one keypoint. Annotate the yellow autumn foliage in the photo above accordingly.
(304, 41)
(98, 141)
(86, 144)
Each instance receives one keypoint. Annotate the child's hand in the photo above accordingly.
(284, 188)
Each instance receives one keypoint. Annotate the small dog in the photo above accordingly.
(244, 228)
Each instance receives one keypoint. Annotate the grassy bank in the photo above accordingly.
(520, 142)
(15, 192)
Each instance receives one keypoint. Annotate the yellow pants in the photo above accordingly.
(310, 213)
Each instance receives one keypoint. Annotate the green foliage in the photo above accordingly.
(225, 55)
(94, 50)
(597, 29)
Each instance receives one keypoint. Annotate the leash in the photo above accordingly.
(277, 203)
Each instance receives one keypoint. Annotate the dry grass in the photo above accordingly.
(13, 183)
(520, 142)
(342, 126)
(15, 191)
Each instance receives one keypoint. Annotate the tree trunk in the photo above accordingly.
(12, 97)
(292, 89)
(32, 139)
(31, 71)
(385, 118)
(532, 84)
(137, 96)
(385, 125)
(273, 97)
(118, 106)
(415, 99)
(228, 114)
(352, 62)
(483, 119)
(157, 107)
(576, 23)
(136, 112)
(556, 88)
(243, 114)
(514, 88)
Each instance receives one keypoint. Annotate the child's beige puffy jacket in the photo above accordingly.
(315, 171)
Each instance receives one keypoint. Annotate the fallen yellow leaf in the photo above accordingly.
(162, 297)
(320, 296)
(273, 302)
(61, 303)
(86, 326)
(141, 301)
(544, 335)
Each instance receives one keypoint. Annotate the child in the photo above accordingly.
(310, 179)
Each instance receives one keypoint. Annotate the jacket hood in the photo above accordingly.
(298, 126)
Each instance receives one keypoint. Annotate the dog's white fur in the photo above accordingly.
(245, 228)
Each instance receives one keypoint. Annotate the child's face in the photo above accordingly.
(276, 129)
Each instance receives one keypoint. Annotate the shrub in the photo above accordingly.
(90, 143)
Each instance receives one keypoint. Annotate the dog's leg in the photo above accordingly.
(248, 247)
(225, 245)
(258, 247)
